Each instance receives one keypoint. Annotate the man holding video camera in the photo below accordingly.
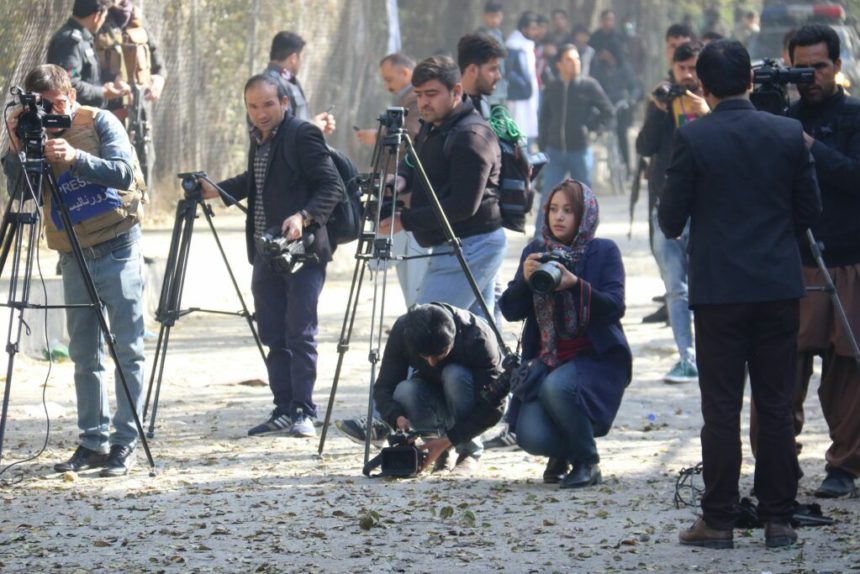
(831, 125)
(461, 156)
(292, 186)
(453, 355)
(100, 180)
(673, 103)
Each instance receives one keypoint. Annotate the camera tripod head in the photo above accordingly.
(191, 183)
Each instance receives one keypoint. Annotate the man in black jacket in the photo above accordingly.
(831, 122)
(662, 117)
(746, 182)
(572, 107)
(461, 156)
(292, 186)
(72, 48)
(454, 355)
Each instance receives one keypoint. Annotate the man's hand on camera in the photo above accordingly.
(386, 225)
(325, 122)
(12, 123)
(209, 191)
(699, 105)
(292, 226)
(59, 152)
(367, 137)
(661, 105)
(153, 92)
(434, 448)
(403, 423)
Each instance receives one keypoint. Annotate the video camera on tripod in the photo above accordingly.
(35, 119)
(770, 79)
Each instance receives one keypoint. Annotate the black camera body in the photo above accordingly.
(191, 184)
(401, 458)
(665, 92)
(283, 255)
(392, 118)
(547, 277)
(33, 122)
(770, 79)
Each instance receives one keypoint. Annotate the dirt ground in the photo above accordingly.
(224, 502)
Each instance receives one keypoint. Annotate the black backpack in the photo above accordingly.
(344, 223)
(516, 194)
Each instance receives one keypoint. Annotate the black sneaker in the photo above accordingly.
(82, 459)
(277, 424)
(504, 440)
(837, 484)
(661, 315)
(120, 459)
(354, 430)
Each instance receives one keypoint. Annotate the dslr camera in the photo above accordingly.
(547, 277)
(34, 120)
(665, 92)
(283, 255)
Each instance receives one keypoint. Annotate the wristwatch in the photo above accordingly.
(306, 217)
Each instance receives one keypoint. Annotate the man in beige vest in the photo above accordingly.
(100, 182)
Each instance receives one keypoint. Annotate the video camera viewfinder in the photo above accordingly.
(770, 79)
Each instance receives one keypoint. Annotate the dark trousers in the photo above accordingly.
(763, 338)
(286, 310)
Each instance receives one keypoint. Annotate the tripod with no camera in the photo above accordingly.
(22, 220)
(170, 301)
(391, 137)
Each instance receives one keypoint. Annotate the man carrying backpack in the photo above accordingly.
(292, 187)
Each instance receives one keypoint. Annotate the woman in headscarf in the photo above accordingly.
(580, 359)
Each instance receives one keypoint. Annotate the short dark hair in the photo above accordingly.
(440, 68)
(678, 31)
(687, 50)
(48, 77)
(398, 59)
(428, 329)
(558, 11)
(724, 68)
(581, 29)
(527, 18)
(562, 50)
(812, 34)
(263, 79)
(607, 12)
(83, 8)
(478, 48)
(284, 45)
(493, 7)
(712, 35)
(787, 38)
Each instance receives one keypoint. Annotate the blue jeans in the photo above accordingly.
(671, 257)
(578, 164)
(554, 424)
(116, 267)
(431, 407)
(410, 272)
(446, 282)
(285, 306)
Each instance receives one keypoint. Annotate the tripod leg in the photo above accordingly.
(245, 313)
(151, 432)
(343, 342)
(155, 362)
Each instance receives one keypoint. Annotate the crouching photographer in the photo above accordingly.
(577, 362)
(292, 186)
(454, 357)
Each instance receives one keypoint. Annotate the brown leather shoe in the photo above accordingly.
(700, 534)
(778, 534)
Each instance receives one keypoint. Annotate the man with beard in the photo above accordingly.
(662, 118)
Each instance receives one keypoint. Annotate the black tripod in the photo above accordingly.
(22, 212)
(170, 302)
(386, 157)
(830, 289)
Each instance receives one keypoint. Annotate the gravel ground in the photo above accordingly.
(223, 502)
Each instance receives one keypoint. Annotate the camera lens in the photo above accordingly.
(545, 279)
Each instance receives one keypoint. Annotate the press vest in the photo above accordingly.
(106, 226)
